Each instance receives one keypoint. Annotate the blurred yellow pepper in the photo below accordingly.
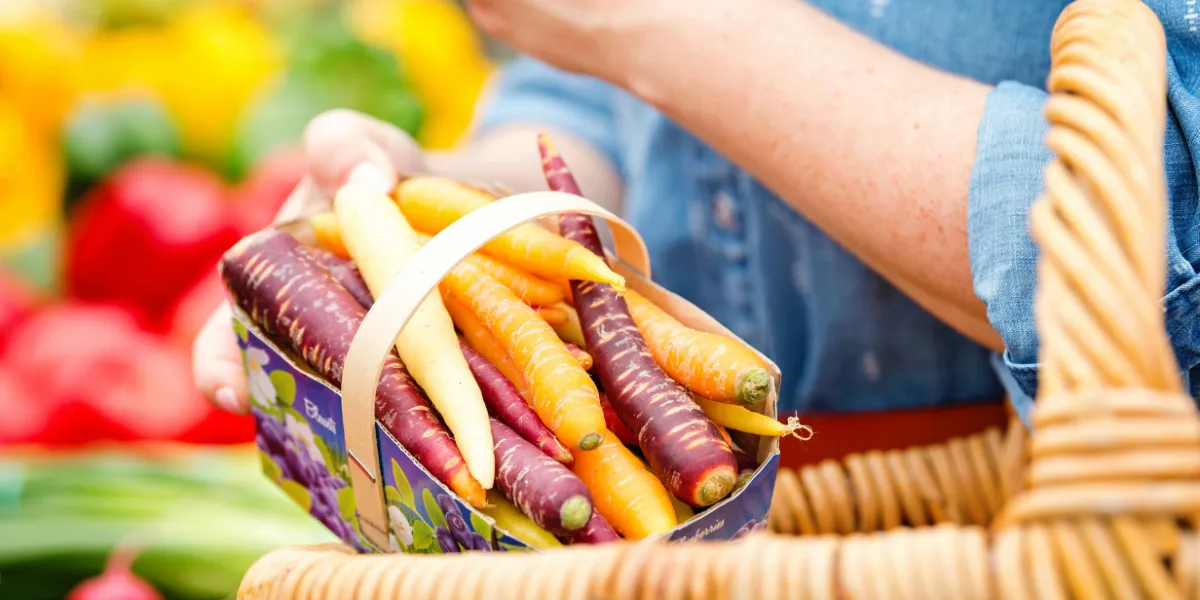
(204, 65)
(39, 60)
(224, 57)
(31, 180)
(441, 54)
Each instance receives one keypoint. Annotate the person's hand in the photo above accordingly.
(339, 145)
(583, 36)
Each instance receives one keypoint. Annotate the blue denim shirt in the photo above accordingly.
(844, 338)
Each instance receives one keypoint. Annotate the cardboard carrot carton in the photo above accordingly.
(424, 378)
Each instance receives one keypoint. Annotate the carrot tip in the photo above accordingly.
(575, 512)
(591, 441)
(714, 490)
(799, 430)
(754, 386)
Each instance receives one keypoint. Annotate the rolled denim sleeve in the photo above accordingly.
(1010, 159)
(1007, 178)
(530, 91)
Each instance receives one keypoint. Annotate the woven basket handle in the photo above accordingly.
(400, 299)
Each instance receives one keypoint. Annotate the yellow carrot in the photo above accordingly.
(531, 289)
(570, 330)
(325, 228)
(381, 243)
(564, 396)
(742, 419)
(552, 315)
(710, 365)
(518, 525)
(683, 512)
(624, 491)
(481, 341)
(433, 203)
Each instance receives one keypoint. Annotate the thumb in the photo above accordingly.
(338, 141)
(217, 363)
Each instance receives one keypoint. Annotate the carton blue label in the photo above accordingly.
(302, 442)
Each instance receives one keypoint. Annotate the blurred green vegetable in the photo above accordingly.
(102, 135)
(329, 68)
(203, 517)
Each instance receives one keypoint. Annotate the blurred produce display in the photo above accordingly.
(190, 520)
(138, 140)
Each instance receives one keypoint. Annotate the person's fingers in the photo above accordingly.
(337, 141)
(217, 363)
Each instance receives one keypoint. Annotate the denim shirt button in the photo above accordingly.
(724, 212)
(733, 251)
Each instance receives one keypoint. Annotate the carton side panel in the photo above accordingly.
(425, 516)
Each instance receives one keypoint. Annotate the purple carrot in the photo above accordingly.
(346, 273)
(685, 450)
(501, 396)
(745, 461)
(597, 531)
(544, 490)
(276, 281)
(505, 402)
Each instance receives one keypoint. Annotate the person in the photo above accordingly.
(844, 184)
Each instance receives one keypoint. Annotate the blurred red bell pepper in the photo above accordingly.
(92, 373)
(17, 302)
(144, 236)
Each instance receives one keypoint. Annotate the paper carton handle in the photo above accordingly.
(400, 299)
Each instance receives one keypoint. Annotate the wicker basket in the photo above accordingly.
(1101, 502)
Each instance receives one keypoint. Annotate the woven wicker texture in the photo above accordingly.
(1101, 501)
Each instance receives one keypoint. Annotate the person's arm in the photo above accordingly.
(872, 147)
(529, 97)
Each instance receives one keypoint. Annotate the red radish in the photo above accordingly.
(597, 531)
(685, 450)
(104, 375)
(117, 582)
(547, 492)
(290, 296)
(615, 425)
(506, 403)
(500, 395)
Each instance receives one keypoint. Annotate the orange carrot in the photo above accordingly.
(709, 364)
(325, 228)
(433, 203)
(624, 491)
(552, 315)
(564, 396)
(581, 355)
(481, 341)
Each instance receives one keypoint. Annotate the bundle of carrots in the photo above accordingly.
(572, 410)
